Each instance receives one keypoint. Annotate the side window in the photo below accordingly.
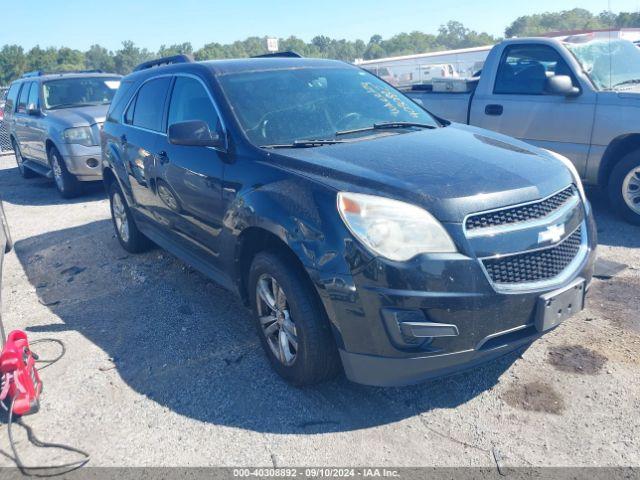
(190, 101)
(119, 102)
(128, 116)
(149, 104)
(33, 94)
(524, 69)
(12, 97)
(24, 97)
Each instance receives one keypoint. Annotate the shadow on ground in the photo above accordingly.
(612, 229)
(191, 346)
(39, 190)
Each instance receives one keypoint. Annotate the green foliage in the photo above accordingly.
(14, 61)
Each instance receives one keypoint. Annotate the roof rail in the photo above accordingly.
(35, 73)
(287, 54)
(164, 61)
(40, 73)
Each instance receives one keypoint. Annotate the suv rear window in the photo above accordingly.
(12, 97)
(24, 97)
(149, 104)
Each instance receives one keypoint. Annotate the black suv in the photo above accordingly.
(363, 232)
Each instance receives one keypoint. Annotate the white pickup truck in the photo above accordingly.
(581, 100)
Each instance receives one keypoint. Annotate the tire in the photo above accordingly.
(24, 171)
(68, 185)
(127, 232)
(301, 318)
(624, 187)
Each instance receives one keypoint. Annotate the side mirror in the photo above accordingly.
(33, 110)
(561, 85)
(194, 133)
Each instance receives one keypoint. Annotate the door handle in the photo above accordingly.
(123, 140)
(494, 110)
(163, 157)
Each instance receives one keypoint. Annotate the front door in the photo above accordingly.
(189, 179)
(520, 107)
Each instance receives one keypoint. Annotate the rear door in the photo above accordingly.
(189, 179)
(20, 119)
(144, 117)
(35, 127)
(519, 107)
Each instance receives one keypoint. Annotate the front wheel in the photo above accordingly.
(624, 188)
(291, 321)
(68, 186)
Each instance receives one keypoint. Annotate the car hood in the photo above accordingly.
(79, 116)
(451, 171)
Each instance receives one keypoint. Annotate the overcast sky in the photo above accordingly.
(80, 23)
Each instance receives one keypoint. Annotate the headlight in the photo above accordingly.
(395, 230)
(79, 135)
(572, 169)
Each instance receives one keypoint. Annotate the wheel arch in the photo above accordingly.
(617, 149)
(254, 240)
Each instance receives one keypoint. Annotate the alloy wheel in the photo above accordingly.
(275, 319)
(631, 189)
(120, 217)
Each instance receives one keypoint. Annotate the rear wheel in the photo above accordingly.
(624, 187)
(291, 321)
(24, 171)
(130, 238)
(68, 186)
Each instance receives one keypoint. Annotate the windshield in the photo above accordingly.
(79, 92)
(285, 106)
(611, 65)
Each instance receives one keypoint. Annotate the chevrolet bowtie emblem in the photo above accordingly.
(552, 234)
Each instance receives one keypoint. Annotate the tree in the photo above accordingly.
(130, 56)
(178, 49)
(576, 19)
(13, 63)
(99, 58)
(40, 59)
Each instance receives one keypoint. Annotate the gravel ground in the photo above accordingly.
(164, 368)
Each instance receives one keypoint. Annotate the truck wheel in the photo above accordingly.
(291, 321)
(68, 186)
(624, 187)
(24, 171)
(127, 232)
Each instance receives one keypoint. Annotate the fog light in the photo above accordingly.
(92, 163)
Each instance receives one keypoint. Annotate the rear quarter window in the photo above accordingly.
(12, 97)
(119, 101)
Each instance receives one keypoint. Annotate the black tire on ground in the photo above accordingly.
(127, 232)
(624, 187)
(67, 184)
(24, 171)
(316, 357)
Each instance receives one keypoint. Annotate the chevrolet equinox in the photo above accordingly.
(364, 233)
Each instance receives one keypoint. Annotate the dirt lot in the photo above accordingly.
(164, 368)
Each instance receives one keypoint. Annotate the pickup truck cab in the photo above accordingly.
(580, 100)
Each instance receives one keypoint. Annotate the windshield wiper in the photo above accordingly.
(74, 105)
(304, 144)
(386, 125)
(627, 82)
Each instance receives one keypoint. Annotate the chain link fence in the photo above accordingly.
(5, 143)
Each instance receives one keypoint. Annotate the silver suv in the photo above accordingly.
(54, 123)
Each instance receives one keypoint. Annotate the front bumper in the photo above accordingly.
(474, 322)
(83, 162)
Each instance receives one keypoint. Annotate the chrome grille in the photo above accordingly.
(535, 266)
(523, 213)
